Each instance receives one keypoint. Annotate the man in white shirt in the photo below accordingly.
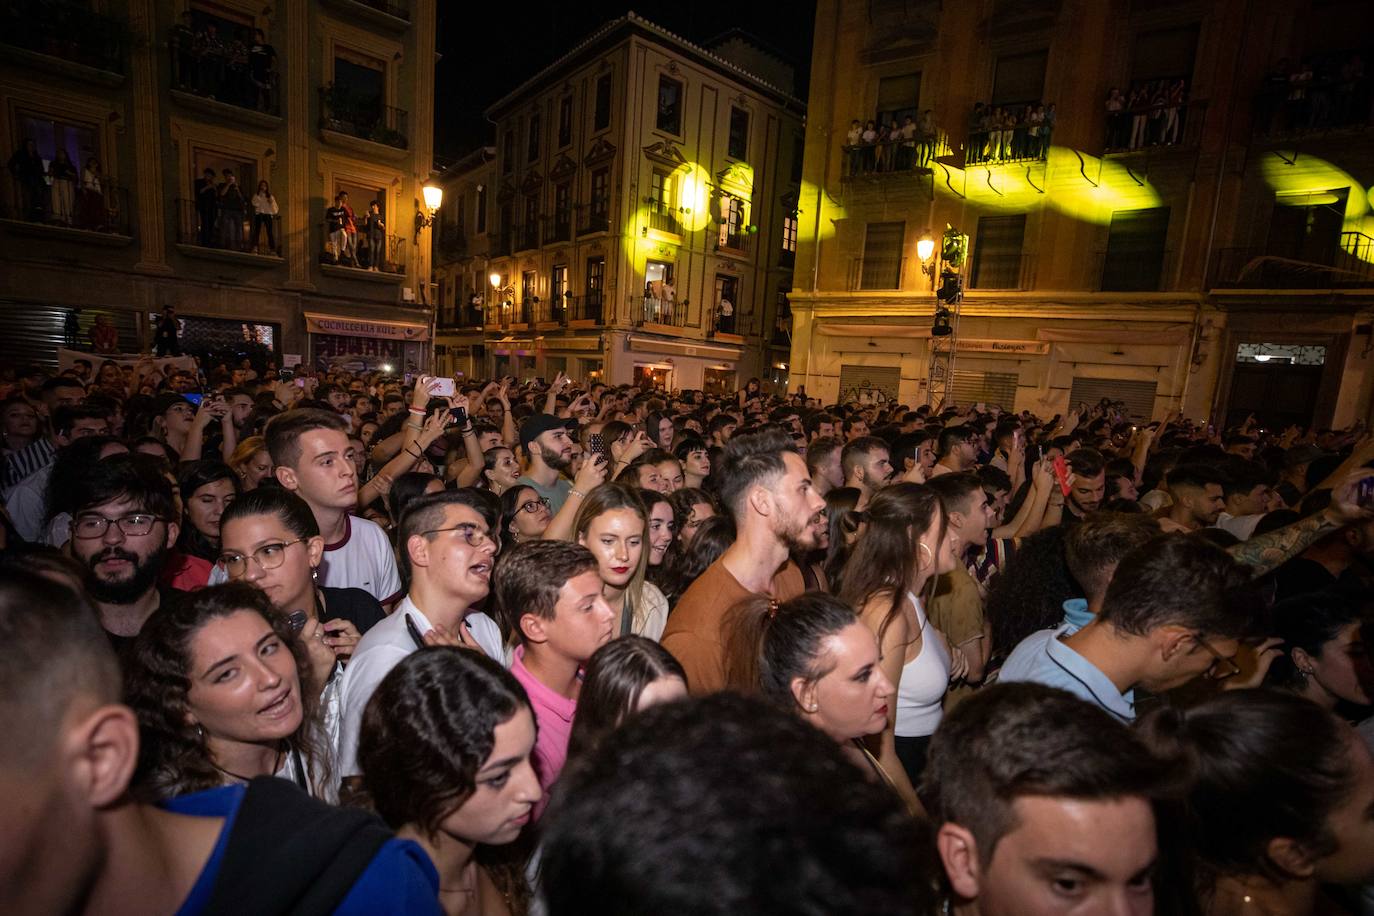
(28, 502)
(448, 550)
(314, 460)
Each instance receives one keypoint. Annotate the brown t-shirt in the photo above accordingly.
(790, 581)
(956, 610)
(693, 634)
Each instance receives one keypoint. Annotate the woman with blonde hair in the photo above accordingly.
(614, 525)
(251, 462)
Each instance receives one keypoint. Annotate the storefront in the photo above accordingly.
(360, 345)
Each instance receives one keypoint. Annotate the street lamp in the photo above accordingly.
(434, 196)
(925, 248)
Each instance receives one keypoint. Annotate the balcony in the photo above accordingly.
(68, 36)
(999, 271)
(559, 229)
(595, 218)
(237, 236)
(1350, 266)
(893, 157)
(669, 312)
(527, 236)
(1013, 139)
(876, 273)
(68, 212)
(391, 14)
(223, 79)
(502, 242)
(739, 242)
(462, 317)
(586, 308)
(1300, 104)
(497, 315)
(663, 218)
(360, 256)
(1155, 127)
(367, 120)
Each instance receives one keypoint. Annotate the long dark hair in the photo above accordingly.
(841, 505)
(617, 674)
(1258, 764)
(1030, 592)
(1307, 622)
(191, 477)
(510, 508)
(405, 490)
(429, 727)
(885, 558)
(713, 537)
(768, 645)
(174, 757)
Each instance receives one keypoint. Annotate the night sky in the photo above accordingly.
(489, 48)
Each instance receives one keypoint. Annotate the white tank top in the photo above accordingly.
(921, 691)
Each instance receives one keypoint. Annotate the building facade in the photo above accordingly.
(171, 115)
(638, 213)
(1166, 203)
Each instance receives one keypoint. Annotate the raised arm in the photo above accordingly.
(1268, 551)
(591, 475)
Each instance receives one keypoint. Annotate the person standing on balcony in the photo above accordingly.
(262, 63)
(63, 174)
(927, 133)
(232, 205)
(375, 226)
(334, 218)
(350, 225)
(26, 165)
(207, 202)
(725, 316)
(852, 141)
(92, 203)
(669, 301)
(264, 215)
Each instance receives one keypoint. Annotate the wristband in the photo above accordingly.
(419, 411)
(578, 493)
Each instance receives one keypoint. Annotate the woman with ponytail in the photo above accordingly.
(903, 547)
(1279, 795)
(814, 657)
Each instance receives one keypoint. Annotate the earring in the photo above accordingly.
(314, 574)
(812, 708)
(929, 554)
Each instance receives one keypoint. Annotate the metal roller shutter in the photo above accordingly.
(31, 333)
(869, 383)
(971, 386)
(1138, 396)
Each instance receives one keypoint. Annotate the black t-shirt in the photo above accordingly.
(124, 645)
(352, 604)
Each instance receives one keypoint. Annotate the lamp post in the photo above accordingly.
(433, 196)
(500, 291)
(925, 252)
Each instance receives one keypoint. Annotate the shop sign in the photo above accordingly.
(1008, 347)
(358, 327)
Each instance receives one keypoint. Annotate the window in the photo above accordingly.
(601, 118)
(881, 266)
(997, 252)
(1135, 250)
(206, 226)
(481, 217)
(727, 303)
(1020, 79)
(601, 193)
(1164, 54)
(789, 233)
(738, 145)
(558, 285)
(660, 191)
(562, 212)
(532, 137)
(52, 134)
(669, 105)
(529, 284)
(1307, 225)
(508, 153)
(898, 97)
(529, 237)
(565, 112)
(731, 222)
(596, 282)
(358, 95)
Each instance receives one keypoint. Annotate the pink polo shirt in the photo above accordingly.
(553, 713)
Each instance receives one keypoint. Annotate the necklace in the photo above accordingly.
(276, 765)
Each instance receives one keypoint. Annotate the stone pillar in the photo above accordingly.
(146, 45)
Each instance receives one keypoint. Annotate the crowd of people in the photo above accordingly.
(357, 644)
(238, 68)
(1007, 133)
(1319, 92)
(53, 189)
(883, 145)
(1151, 114)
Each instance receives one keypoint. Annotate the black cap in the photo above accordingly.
(541, 423)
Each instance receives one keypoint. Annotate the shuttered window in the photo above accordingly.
(972, 386)
(881, 267)
(997, 252)
(1139, 396)
(30, 334)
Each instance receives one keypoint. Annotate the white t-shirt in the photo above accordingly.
(363, 559)
(382, 648)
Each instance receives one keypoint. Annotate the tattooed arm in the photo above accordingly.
(1268, 551)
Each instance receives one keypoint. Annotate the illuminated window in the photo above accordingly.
(669, 105)
(789, 234)
(738, 146)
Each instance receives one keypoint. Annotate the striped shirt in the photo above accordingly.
(33, 457)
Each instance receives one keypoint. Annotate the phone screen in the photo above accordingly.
(194, 398)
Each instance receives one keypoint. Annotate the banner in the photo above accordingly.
(66, 359)
(359, 327)
(1009, 347)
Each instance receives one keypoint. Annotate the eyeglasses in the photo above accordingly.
(533, 506)
(470, 533)
(89, 527)
(1221, 667)
(268, 556)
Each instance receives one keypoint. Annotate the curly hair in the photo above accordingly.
(174, 756)
(1030, 592)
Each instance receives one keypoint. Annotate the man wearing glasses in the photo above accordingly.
(447, 549)
(122, 529)
(1171, 613)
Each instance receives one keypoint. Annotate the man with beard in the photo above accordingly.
(545, 439)
(867, 466)
(765, 486)
(1198, 498)
(123, 525)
